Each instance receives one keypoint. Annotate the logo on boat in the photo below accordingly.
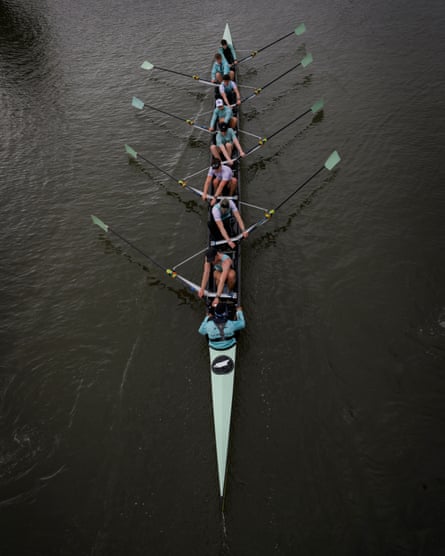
(222, 365)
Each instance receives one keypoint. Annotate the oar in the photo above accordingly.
(304, 62)
(170, 272)
(316, 107)
(297, 31)
(140, 105)
(183, 183)
(149, 66)
(133, 154)
(107, 229)
(330, 163)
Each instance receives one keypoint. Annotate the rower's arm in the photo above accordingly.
(240, 223)
(223, 149)
(206, 187)
(205, 278)
(238, 96)
(238, 146)
(219, 189)
(222, 229)
(224, 97)
(213, 121)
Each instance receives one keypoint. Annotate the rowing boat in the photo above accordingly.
(223, 361)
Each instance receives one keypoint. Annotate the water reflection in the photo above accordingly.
(24, 40)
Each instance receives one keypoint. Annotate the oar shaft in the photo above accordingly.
(174, 71)
(287, 125)
(298, 189)
(136, 248)
(262, 142)
(270, 83)
(250, 56)
(158, 168)
(187, 121)
(195, 77)
(282, 75)
(164, 112)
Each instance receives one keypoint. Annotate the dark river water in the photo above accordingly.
(106, 438)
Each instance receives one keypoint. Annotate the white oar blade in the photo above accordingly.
(131, 152)
(99, 223)
(300, 29)
(317, 106)
(147, 65)
(137, 103)
(332, 161)
(307, 60)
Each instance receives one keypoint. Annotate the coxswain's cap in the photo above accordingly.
(211, 254)
(220, 313)
(219, 102)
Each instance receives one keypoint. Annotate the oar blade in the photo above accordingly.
(147, 65)
(99, 223)
(332, 161)
(131, 152)
(317, 106)
(307, 60)
(300, 29)
(137, 103)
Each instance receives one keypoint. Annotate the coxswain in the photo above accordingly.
(221, 330)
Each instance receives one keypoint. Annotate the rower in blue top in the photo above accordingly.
(221, 114)
(219, 69)
(229, 55)
(224, 141)
(220, 329)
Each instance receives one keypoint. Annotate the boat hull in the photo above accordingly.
(222, 362)
(222, 373)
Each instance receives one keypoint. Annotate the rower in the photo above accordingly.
(224, 141)
(221, 177)
(223, 273)
(221, 222)
(229, 92)
(221, 114)
(219, 329)
(219, 68)
(229, 55)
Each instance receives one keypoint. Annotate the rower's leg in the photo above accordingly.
(231, 279)
(233, 186)
(216, 277)
(215, 152)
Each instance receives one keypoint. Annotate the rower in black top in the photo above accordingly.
(229, 54)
